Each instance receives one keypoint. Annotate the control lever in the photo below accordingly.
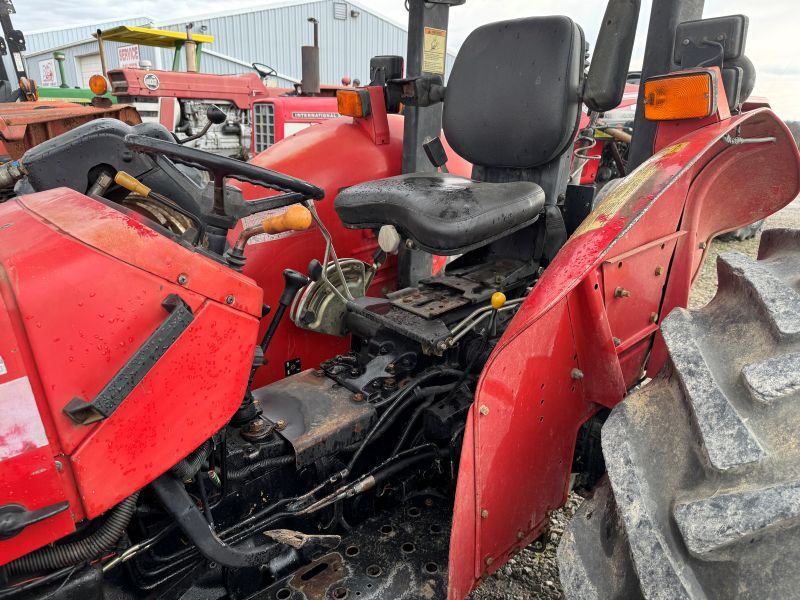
(15, 517)
(295, 218)
(293, 282)
(133, 185)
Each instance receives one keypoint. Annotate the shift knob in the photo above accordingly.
(292, 283)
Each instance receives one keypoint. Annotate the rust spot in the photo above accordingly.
(316, 579)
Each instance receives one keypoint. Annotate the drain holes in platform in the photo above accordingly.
(351, 550)
(387, 529)
(283, 593)
(313, 572)
(408, 547)
(436, 528)
(374, 571)
(340, 593)
(413, 512)
(431, 567)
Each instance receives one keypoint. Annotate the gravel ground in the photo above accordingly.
(533, 573)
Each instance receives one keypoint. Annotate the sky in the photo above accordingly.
(771, 42)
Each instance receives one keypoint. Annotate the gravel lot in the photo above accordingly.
(533, 574)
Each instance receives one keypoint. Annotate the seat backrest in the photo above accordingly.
(514, 94)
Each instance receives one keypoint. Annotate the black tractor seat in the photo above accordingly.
(443, 214)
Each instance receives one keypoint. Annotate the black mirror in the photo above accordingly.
(605, 83)
(215, 114)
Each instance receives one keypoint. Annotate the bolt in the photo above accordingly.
(354, 372)
(230, 299)
(702, 245)
(659, 270)
(616, 341)
(442, 345)
(256, 429)
(654, 317)
(484, 513)
(428, 502)
(391, 368)
(59, 466)
(520, 535)
(389, 383)
(621, 293)
(280, 425)
(484, 410)
(488, 560)
(685, 42)
(576, 374)
(182, 279)
(410, 244)
(359, 397)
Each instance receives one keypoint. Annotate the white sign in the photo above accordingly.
(128, 57)
(47, 73)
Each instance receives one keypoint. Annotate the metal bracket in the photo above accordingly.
(133, 371)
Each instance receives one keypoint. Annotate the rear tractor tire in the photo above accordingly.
(743, 233)
(702, 498)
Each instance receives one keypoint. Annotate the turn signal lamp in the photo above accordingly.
(98, 85)
(680, 96)
(353, 103)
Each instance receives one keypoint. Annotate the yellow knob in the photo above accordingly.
(498, 300)
(129, 182)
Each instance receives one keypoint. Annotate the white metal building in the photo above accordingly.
(350, 34)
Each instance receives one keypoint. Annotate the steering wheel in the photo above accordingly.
(221, 167)
(266, 71)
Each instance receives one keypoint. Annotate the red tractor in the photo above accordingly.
(141, 454)
(256, 115)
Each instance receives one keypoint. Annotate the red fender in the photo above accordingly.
(578, 343)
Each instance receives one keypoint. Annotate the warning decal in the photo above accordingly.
(434, 51)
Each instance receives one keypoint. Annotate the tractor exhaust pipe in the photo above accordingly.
(191, 50)
(310, 60)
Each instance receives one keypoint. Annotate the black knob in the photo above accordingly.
(315, 269)
(292, 283)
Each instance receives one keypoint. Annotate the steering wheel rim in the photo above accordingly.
(222, 167)
(269, 71)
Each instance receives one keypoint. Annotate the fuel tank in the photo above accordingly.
(121, 351)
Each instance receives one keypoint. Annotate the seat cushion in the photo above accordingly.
(442, 213)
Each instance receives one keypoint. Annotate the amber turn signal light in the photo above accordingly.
(98, 85)
(353, 103)
(691, 95)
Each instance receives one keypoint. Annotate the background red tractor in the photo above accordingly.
(142, 456)
(256, 115)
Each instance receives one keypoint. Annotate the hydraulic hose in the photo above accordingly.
(397, 401)
(189, 466)
(429, 395)
(274, 461)
(72, 553)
